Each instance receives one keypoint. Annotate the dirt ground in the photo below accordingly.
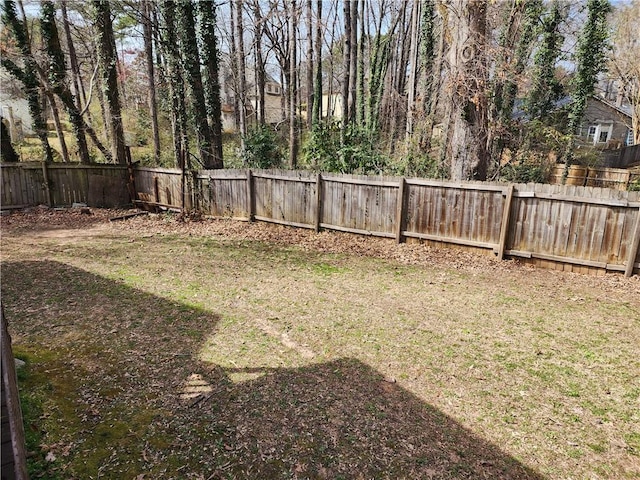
(170, 347)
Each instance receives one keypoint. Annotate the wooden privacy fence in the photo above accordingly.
(568, 227)
(58, 184)
(557, 226)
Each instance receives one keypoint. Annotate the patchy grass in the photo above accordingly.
(217, 350)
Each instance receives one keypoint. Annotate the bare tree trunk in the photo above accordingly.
(234, 71)
(64, 151)
(309, 77)
(148, 47)
(467, 82)
(347, 63)
(353, 61)
(413, 67)
(242, 75)
(317, 97)
(360, 118)
(260, 73)
(293, 136)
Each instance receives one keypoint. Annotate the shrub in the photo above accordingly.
(261, 148)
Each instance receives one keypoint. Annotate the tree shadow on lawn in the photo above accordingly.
(125, 393)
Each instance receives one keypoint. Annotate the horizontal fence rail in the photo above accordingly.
(556, 226)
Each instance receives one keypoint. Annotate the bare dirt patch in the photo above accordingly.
(218, 349)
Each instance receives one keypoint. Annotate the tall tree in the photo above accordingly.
(26, 74)
(57, 77)
(176, 83)
(467, 142)
(293, 121)
(590, 62)
(317, 97)
(241, 91)
(193, 79)
(147, 35)
(546, 88)
(346, 52)
(210, 71)
(107, 58)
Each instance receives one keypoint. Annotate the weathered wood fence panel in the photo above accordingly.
(286, 197)
(222, 193)
(585, 226)
(359, 204)
(24, 184)
(162, 187)
(467, 214)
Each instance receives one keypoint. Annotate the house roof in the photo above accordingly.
(519, 112)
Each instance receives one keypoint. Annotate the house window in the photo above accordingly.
(599, 133)
(629, 140)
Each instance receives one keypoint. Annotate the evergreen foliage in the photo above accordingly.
(545, 88)
(261, 148)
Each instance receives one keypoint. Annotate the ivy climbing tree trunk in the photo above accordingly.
(107, 58)
(176, 84)
(57, 78)
(210, 71)
(27, 75)
(591, 61)
(193, 77)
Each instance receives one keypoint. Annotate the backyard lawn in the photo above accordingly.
(162, 347)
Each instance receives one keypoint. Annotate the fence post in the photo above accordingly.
(400, 210)
(250, 194)
(47, 185)
(318, 202)
(633, 251)
(504, 226)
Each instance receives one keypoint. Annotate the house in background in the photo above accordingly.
(605, 125)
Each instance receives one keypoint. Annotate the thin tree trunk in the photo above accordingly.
(413, 68)
(293, 136)
(353, 64)
(317, 98)
(242, 75)
(260, 73)
(310, 72)
(64, 151)
(234, 71)
(347, 64)
(148, 48)
(360, 117)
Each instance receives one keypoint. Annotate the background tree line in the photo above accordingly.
(420, 87)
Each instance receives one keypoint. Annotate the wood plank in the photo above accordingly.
(358, 231)
(633, 250)
(250, 196)
(457, 241)
(12, 399)
(504, 224)
(284, 222)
